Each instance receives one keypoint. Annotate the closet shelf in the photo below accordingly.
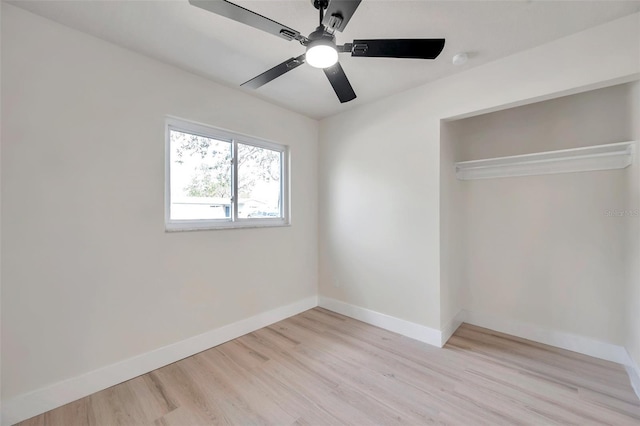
(600, 157)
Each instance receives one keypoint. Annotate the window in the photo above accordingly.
(218, 179)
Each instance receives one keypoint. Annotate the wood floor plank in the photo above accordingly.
(115, 406)
(255, 395)
(559, 368)
(321, 368)
(605, 371)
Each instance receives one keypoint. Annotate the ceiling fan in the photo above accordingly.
(321, 49)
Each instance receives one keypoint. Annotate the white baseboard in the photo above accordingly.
(41, 400)
(397, 325)
(634, 375)
(560, 339)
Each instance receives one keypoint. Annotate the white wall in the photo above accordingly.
(375, 220)
(632, 257)
(0, 214)
(379, 193)
(89, 275)
(454, 292)
(541, 249)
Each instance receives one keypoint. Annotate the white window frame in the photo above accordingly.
(181, 125)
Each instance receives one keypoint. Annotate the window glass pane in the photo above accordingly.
(200, 177)
(259, 182)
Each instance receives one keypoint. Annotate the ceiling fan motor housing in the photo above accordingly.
(321, 34)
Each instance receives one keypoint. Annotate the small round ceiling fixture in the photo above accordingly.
(460, 59)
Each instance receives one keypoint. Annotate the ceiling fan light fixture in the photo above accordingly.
(321, 53)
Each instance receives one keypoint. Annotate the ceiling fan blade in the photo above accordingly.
(340, 83)
(245, 16)
(413, 48)
(344, 9)
(274, 72)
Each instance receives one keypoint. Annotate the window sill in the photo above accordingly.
(216, 226)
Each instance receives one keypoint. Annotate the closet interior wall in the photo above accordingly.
(544, 250)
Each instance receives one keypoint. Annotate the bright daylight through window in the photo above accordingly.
(218, 179)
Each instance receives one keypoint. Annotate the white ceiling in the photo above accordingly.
(230, 53)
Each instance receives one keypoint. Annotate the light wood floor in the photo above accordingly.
(322, 368)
